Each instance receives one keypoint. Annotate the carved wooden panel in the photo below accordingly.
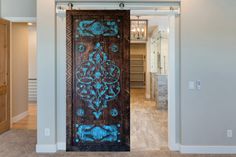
(98, 83)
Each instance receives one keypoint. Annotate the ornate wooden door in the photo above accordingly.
(98, 83)
(4, 77)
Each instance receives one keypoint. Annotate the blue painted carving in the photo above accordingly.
(81, 48)
(80, 112)
(114, 112)
(94, 28)
(114, 48)
(91, 133)
(76, 140)
(97, 80)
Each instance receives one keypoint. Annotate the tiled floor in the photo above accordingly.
(148, 125)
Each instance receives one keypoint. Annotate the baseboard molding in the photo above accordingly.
(207, 149)
(174, 147)
(19, 117)
(46, 148)
(61, 146)
(182, 148)
(32, 103)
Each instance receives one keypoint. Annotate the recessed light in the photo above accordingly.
(30, 24)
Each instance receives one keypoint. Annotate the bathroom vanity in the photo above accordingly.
(160, 90)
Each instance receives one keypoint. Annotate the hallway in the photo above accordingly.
(30, 121)
(148, 125)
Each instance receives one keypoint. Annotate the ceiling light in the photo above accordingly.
(139, 29)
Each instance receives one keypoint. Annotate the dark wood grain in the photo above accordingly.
(122, 60)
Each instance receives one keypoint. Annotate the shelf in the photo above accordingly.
(137, 69)
(137, 80)
(137, 72)
(138, 42)
(137, 65)
(133, 87)
(137, 59)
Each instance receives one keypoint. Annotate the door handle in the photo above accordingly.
(3, 90)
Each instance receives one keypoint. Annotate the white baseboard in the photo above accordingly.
(19, 117)
(174, 147)
(61, 146)
(46, 148)
(207, 149)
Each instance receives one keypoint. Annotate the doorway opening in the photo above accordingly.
(149, 85)
(18, 80)
(23, 76)
(145, 79)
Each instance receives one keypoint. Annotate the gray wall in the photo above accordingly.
(208, 53)
(0, 8)
(18, 8)
(46, 71)
(208, 42)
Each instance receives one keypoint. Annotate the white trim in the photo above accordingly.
(172, 129)
(94, 4)
(174, 146)
(46, 148)
(19, 116)
(172, 87)
(21, 19)
(137, 8)
(61, 146)
(148, 69)
(208, 149)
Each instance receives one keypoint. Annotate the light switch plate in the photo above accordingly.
(47, 132)
(191, 85)
(198, 84)
(229, 133)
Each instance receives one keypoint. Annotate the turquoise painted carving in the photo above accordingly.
(80, 112)
(95, 28)
(114, 112)
(77, 140)
(91, 133)
(97, 80)
(114, 48)
(81, 48)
